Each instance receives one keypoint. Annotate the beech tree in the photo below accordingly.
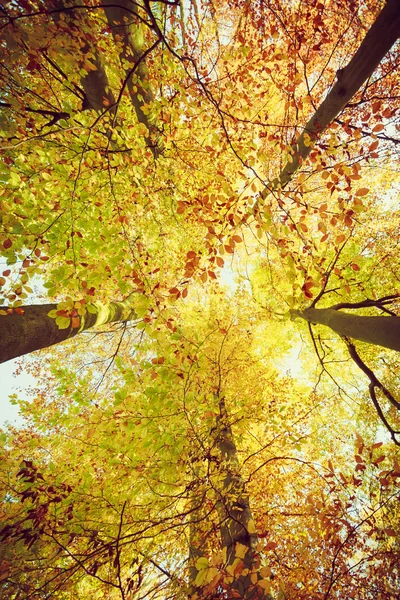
(150, 150)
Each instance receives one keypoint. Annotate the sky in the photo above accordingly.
(12, 384)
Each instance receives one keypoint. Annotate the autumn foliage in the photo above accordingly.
(199, 236)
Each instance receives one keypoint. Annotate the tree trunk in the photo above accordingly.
(98, 94)
(381, 331)
(378, 41)
(127, 29)
(237, 529)
(34, 329)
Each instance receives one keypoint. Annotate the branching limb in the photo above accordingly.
(375, 383)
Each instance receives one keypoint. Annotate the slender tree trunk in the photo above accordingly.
(378, 41)
(34, 329)
(237, 529)
(381, 331)
(127, 31)
(196, 543)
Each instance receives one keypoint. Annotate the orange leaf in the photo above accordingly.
(362, 192)
(174, 290)
(75, 321)
(378, 127)
(355, 267)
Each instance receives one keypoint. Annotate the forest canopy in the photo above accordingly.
(199, 224)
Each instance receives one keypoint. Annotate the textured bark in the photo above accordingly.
(196, 549)
(236, 518)
(98, 94)
(380, 331)
(126, 29)
(378, 41)
(33, 330)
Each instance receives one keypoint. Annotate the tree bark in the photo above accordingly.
(121, 19)
(236, 519)
(378, 41)
(98, 94)
(33, 330)
(380, 331)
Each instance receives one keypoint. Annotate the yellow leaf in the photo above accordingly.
(251, 527)
(202, 563)
(265, 572)
(240, 550)
(211, 573)
(265, 584)
(254, 578)
(200, 578)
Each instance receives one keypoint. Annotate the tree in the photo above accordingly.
(378, 41)
(161, 145)
(160, 471)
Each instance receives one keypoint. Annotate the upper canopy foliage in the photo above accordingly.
(171, 156)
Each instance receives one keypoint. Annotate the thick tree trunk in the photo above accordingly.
(381, 331)
(34, 329)
(378, 41)
(98, 94)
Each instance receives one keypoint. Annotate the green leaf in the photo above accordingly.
(63, 322)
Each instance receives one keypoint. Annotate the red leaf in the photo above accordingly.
(271, 546)
(355, 267)
(174, 290)
(348, 221)
(7, 244)
(75, 321)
